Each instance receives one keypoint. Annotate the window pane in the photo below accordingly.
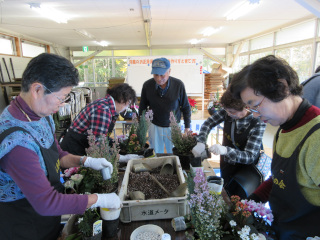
(317, 56)
(6, 46)
(144, 52)
(299, 58)
(32, 50)
(121, 67)
(240, 63)
(295, 33)
(262, 42)
(254, 57)
(245, 47)
(235, 48)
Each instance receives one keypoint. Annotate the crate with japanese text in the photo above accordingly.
(166, 208)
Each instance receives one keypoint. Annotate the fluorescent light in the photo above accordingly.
(195, 41)
(242, 9)
(102, 43)
(49, 13)
(84, 33)
(210, 30)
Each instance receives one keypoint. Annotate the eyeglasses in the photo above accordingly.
(255, 109)
(61, 100)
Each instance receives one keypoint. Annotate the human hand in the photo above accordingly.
(198, 149)
(217, 149)
(108, 200)
(98, 163)
(186, 130)
(126, 158)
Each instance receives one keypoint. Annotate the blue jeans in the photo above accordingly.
(160, 137)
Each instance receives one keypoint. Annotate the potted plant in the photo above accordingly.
(193, 106)
(214, 104)
(183, 143)
(86, 180)
(137, 138)
(212, 218)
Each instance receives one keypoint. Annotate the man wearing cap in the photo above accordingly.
(164, 94)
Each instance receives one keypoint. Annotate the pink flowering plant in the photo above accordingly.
(87, 180)
(212, 218)
(183, 142)
(206, 207)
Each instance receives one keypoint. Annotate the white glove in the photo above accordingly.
(126, 158)
(98, 163)
(217, 149)
(107, 200)
(198, 149)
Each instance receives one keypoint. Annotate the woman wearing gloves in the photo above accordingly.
(31, 194)
(271, 89)
(247, 131)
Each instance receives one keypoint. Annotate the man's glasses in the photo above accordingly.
(255, 109)
(61, 100)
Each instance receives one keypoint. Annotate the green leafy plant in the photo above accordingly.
(183, 142)
(137, 138)
(87, 220)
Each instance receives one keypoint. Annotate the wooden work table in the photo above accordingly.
(125, 229)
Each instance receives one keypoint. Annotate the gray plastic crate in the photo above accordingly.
(166, 208)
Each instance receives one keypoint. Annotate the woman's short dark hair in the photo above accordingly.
(228, 101)
(122, 93)
(53, 71)
(263, 77)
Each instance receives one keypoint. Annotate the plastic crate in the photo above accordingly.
(166, 208)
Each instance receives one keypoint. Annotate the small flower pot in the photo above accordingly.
(195, 161)
(109, 214)
(110, 228)
(184, 158)
(215, 183)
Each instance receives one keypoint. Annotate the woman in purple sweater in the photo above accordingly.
(31, 194)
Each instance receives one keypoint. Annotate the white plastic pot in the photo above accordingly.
(109, 214)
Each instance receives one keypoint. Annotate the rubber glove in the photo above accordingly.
(98, 163)
(126, 158)
(217, 149)
(108, 200)
(198, 149)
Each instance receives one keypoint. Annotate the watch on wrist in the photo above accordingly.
(81, 161)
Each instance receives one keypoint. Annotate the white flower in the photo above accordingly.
(254, 236)
(69, 184)
(232, 223)
(77, 178)
(80, 220)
